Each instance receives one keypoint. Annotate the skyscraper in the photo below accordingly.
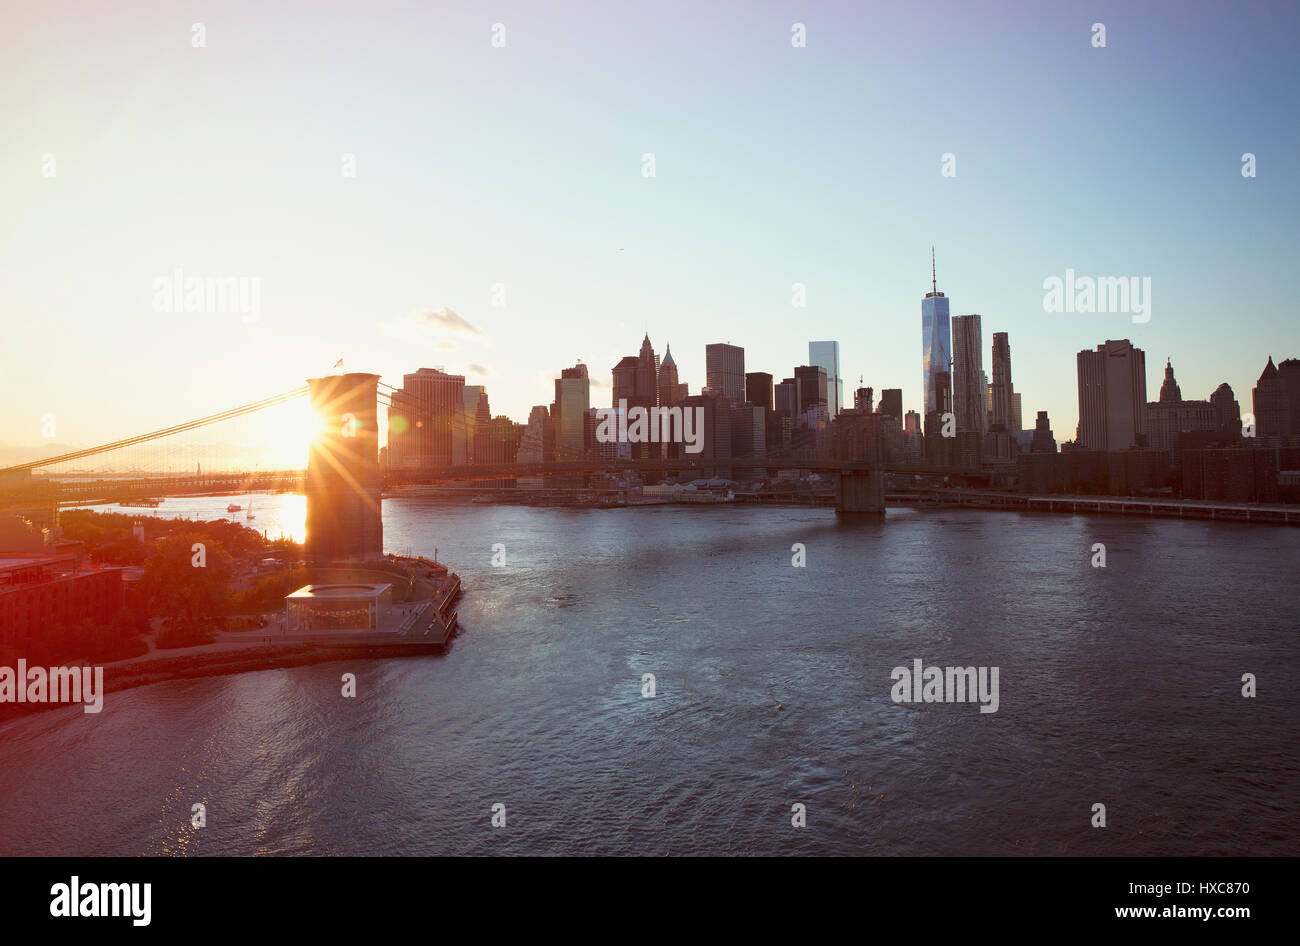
(862, 399)
(968, 386)
(786, 397)
(1002, 410)
(1275, 400)
(669, 389)
(624, 386)
(758, 389)
(572, 399)
(426, 420)
(827, 355)
(477, 416)
(1269, 403)
(1288, 370)
(936, 345)
(811, 380)
(647, 375)
(532, 445)
(724, 370)
(1112, 396)
(891, 402)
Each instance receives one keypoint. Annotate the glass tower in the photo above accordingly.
(936, 344)
(827, 355)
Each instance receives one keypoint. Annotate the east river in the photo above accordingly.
(1119, 686)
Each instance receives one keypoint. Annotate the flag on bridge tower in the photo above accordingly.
(339, 363)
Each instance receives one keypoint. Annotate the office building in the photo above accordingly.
(624, 380)
(827, 356)
(811, 381)
(1002, 395)
(891, 402)
(785, 397)
(724, 369)
(476, 415)
(572, 401)
(1112, 397)
(647, 375)
(936, 348)
(426, 420)
(670, 391)
(968, 386)
(1275, 400)
(758, 389)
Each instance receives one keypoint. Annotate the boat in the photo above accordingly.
(234, 507)
(249, 514)
(142, 503)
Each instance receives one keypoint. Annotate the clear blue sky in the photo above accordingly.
(522, 166)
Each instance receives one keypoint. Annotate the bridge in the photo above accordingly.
(66, 480)
(140, 487)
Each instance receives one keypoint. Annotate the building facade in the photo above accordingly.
(1002, 408)
(827, 356)
(426, 420)
(968, 387)
(572, 401)
(1112, 396)
(1170, 416)
(724, 369)
(936, 352)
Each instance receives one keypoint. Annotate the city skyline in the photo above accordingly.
(398, 267)
(302, 423)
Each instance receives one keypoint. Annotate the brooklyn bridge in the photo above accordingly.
(342, 463)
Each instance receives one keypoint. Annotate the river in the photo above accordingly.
(1119, 686)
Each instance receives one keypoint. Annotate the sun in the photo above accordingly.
(289, 430)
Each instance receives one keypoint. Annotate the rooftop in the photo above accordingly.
(352, 591)
(10, 563)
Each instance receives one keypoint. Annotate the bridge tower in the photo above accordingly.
(860, 492)
(859, 438)
(344, 521)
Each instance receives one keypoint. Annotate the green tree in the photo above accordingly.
(188, 577)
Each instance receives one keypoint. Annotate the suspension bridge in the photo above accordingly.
(169, 462)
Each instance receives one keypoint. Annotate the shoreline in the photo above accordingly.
(247, 651)
(220, 659)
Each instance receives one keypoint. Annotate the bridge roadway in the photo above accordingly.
(83, 491)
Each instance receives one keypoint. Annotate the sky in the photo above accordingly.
(514, 174)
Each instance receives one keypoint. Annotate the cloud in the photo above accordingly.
(477, 369)
(446, 319)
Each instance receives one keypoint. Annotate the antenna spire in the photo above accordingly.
(934, 284)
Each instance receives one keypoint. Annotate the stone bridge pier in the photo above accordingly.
(860, 493)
